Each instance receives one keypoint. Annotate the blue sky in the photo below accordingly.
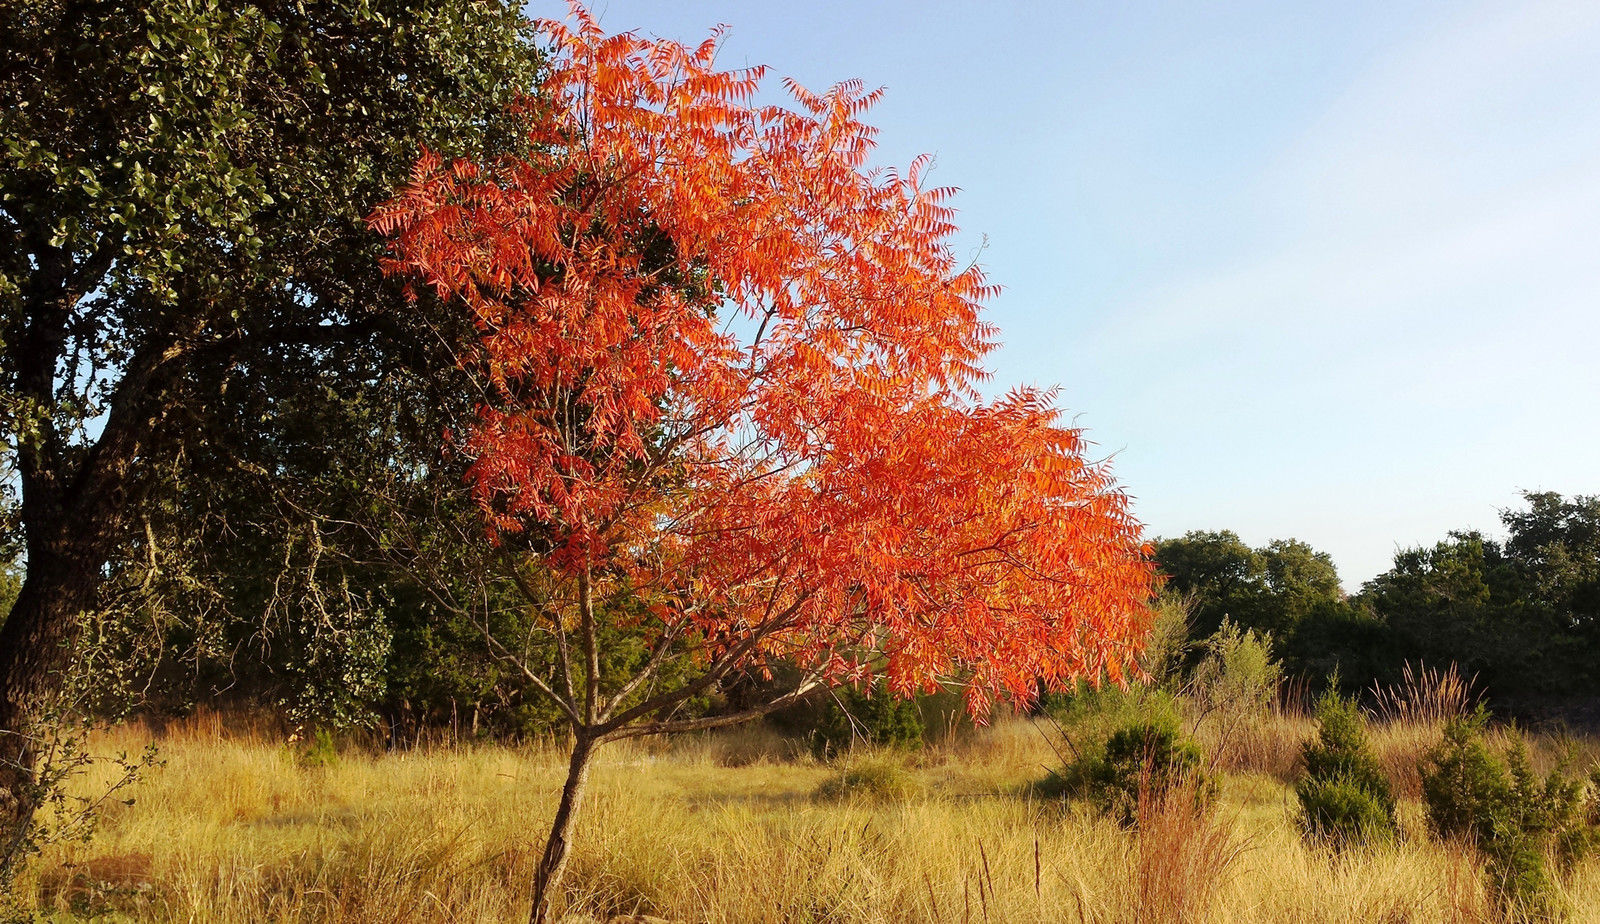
(1323, 271)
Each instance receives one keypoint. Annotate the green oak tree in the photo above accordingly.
(182, 189)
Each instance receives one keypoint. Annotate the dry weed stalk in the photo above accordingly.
(1186, 853)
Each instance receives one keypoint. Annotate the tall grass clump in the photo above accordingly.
(1186, 852)
(1517, 821)
(1412, 714)
(1426, 696)
(1344, 796)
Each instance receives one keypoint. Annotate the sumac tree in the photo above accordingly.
(730, 400)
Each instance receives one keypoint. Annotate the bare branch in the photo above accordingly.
(809, 687)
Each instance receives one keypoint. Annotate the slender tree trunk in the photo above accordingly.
(547, 879)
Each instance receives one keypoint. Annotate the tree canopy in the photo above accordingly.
(1270, 589)
(734, 372)
(730, 403)
(1523, 613)
(182, 188)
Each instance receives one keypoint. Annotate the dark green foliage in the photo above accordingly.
(1461, 601)
(1523, 615)
(1344, 797)
(1270, 589)
(184, 258)
(1340, 813)
(1345, 638)
(1496, 803)
(1464, 786)
(186, 276)
(1341, 748)
(875, 718)
(1146, 758)
(1285, 588)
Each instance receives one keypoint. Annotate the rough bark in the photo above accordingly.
(33, 650)
(74, 501)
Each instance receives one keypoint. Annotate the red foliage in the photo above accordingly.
(734, 371)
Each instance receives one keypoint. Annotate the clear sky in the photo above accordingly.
(1322, 271)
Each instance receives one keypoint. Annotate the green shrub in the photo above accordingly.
(1237, 673)
(1168, 645)
(875, 718)
(316, 751)
(1085, 716)
(877, 778)
(1344, 797)
(1146, 758)
(1338, 812)
(1496, 803)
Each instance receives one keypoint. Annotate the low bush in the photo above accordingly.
(1144, 760)
(1515, 819)
(877, 778)
(1344, 796)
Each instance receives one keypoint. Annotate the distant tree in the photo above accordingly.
(181, 192)
(1524, 614)
(1440, 604)
(730, 407)
(1344, 639)
(1221, 576)
(1270, 589)
(1299, 581)
(1556, 544)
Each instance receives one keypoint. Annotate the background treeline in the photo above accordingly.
(356, 616)
(1523, 614)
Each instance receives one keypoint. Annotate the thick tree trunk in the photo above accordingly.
(74, 505)
(547, 879)
(35, 646)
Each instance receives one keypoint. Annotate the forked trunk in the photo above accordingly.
(547, 879)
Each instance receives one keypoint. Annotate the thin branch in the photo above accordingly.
(809, 687)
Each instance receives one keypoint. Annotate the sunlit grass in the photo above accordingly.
(720, 829)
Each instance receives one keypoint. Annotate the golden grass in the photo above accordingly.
(1268, 743)
(717, 829)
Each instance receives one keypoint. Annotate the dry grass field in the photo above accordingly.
(237, 828)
